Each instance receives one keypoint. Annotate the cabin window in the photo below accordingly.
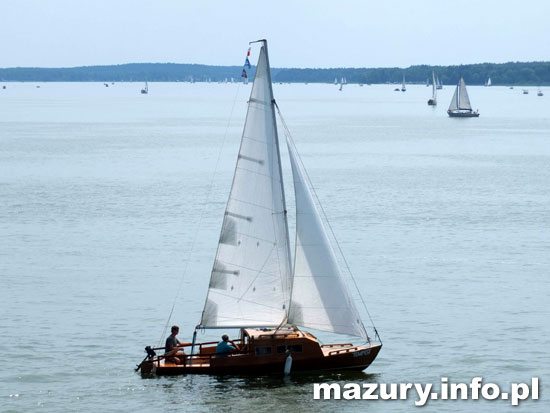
(296, 348)
(263, 351)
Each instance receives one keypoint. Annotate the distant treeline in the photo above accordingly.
(517, 73)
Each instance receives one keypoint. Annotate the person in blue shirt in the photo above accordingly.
(225, 347)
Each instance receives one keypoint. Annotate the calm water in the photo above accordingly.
(111, 201)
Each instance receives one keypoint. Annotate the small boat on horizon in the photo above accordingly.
(539, 93)
(460, 106)
(525, 91)
(145, 90)
(256, 285)
(403, 87)
(439, 85)
(488, 82)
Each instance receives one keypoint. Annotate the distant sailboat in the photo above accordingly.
(433, 100)
(525, 91)
(145, 90)
(439, 85)
(403, 88)
(335, 80)
(460, 106)
(539, 93)
(488, 83)
(342, 83)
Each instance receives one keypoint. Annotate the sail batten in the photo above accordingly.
(250, 280)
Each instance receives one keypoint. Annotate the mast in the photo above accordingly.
(457, 94)
(434, 88)
(264, 41)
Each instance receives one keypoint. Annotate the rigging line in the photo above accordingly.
(289, 136)
(210, 190)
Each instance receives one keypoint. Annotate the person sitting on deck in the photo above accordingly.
(171, 347)
(224, 348)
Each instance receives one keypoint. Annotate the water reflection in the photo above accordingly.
(227, 392)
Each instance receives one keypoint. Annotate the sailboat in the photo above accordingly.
(145, 90)
(433, 100)
(439, 85)
(488, 83)
(403, 88)
(460, 106)
(255, 285)
(342, 82)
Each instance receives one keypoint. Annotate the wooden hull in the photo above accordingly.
(463, 114)
(265, 352)
(358, 359)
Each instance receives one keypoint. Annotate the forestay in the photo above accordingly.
(250, 280)
(320, 298)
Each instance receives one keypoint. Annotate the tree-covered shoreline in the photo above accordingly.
(512, 73)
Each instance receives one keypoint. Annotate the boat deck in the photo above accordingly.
(265, 351)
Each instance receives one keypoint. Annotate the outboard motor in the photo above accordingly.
(150, 352)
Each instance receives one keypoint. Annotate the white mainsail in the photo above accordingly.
(251, 276)
(320, 298)
(463, 99)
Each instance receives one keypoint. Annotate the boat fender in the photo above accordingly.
(288, 365)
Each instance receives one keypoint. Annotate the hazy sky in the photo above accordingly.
(343, 33)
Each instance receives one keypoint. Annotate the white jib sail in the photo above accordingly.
(250, 281)
(454, 100)
(320, 298)
(463, 100)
